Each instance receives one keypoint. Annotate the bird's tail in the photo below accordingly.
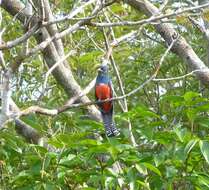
(109, 125)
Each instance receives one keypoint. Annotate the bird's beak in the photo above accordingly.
(99, 69)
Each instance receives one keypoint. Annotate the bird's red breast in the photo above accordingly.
(103, 92)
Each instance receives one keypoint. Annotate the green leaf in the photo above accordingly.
(68, 139)
(55, 142)
(22, 178)
(67, 160)
(203, 179)
(180, 132)
(191, 114)
(159, 158)
(202, 121)
(204, 147)
(190, 145)
(89, 125)
(141, 169)
(48, 159)
(173, 99)
(144, 112)
(32, 121)
(152, 168)
(165, 137)
(189, 96)
(171, 171)
(182, 19)
(89, 142)
(38, 148)
(203, 107)
(89, 56)
(206, 14)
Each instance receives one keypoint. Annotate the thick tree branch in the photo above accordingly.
(181, 47)
(5, 98)
(29, 133)
(70, 105)
(62, 73)
(49, 23)
(203, 25)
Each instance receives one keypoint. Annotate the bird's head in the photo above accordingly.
(103, 69)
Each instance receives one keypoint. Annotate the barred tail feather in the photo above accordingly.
(109, 125)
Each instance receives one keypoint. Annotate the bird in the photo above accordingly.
(103, 91)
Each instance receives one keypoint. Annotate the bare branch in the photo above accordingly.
(181, 77)
(2, 61)
(93, 41)
(55, 65)
(162, 7)
(37, 109)
(68, 105)
(181, 48)
(201, 26)
(151, 19)
(125, 105)
(84, 92)
(78, 10)
(58, 35)
(21, 39)
(47, 41)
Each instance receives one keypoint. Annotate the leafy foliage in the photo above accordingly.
(169, 119)
(169, 154)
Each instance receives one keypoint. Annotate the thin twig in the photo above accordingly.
(21, 39)
(2, 61)
(124, 105)
(149, 20)
(201, 26)
(45, 111)
(71, 15)
(108, 47)
(84, 92)
(47, 41)
(54, 67)
(181, 77)
(93, 41)
(162, 7)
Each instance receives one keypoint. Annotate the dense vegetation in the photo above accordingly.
(169, 118)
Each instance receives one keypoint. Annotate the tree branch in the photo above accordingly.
(21, 39)
(179, 77)
(69, 105)
(152, 19)
(5, 98)
(181, 48)
(62, 73)
(125, 105)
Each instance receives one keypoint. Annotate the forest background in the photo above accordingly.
(51, 134)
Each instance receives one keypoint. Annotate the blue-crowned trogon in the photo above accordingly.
(103, 91)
